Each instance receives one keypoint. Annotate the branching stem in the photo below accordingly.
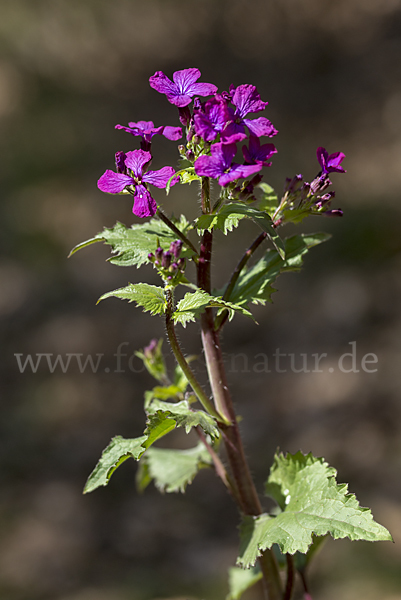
(222, 318)
(221, 471)
(248, 500)
(177, 232)
(189, 374)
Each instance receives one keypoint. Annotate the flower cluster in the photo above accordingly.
(214, 127)
(301, 198)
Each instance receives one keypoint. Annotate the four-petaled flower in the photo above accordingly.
(184, 86)
(135, 162)
(212, 118)
(330, 163)
(246, 99)
(147, 130)
(257, 153)
(219, 164)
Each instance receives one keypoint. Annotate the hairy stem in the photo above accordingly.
(189, 374)
(220, 469)
(177, 232)
(248, 499)
(222, 318)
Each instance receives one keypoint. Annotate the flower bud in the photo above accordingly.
(166, 259)
(159, 253)
(175, 248)
(149, 351)
(151, 257)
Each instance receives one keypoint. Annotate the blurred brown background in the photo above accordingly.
(69, 71)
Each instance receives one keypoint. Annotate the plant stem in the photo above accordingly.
(189, 374)
(222, 318)
(177, 232)
(218, 465)
(248, 499)
(290, 577)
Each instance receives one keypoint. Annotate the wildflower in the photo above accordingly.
(212, 120)
(146, 130)
(219, 164)
(246, 99)
(330, 163)
(257, 153)
(134, 163)
(180, 91)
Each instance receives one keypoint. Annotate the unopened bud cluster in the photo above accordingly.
(301, 198)
(168, 262)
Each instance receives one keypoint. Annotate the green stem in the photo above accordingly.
(222, 318)
(177, 232)
(189, 374)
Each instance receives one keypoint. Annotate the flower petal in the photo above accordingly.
(208, 166)
(144, 204)
(172, 133)
(246, 99)
(260, 126)
(159, 178)
(185, 79)
(203, 89)
(136, 160)
(113, 183)
(239, 172)
(322, 156)
(161, 83)
(142, 125)
(224, 153)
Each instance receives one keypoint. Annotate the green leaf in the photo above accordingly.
(269, 200)
(240, 580)
(112, 457)
(184, 416)
(132, 245)
(255, 284)
(229, 217)
(195, 303)
(173, 470)
(158, 425)
(151, 297)
(314, 504)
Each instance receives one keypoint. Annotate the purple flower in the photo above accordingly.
(135, 162)
(330, 163)
(257, 153)
(147, 130)
(184, 86)
(246, 99)
(214, 117)
(219, 164)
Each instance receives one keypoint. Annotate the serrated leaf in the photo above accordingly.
(229, 217)
(255, 284)
(240, 580)
(195, 303)
(314, 504)
(158, 425)
(184, 416)
(120, 449)
(173, 470)
(132, 245)
(150, 297)
(269, 200)
(112, 457)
